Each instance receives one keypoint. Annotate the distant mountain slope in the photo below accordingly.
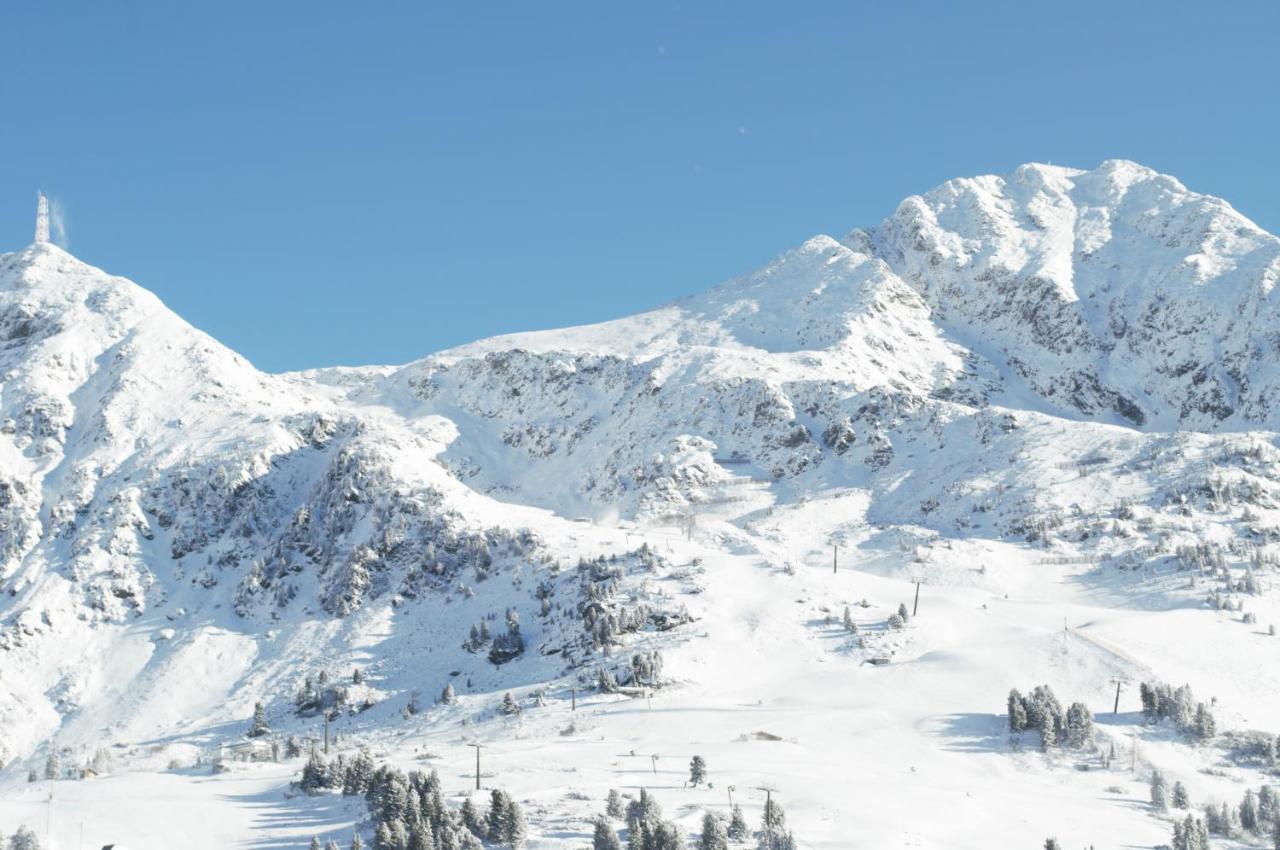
(937, 369)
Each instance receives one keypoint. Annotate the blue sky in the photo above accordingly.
(325, 183)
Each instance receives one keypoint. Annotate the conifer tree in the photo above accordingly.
(259, 726)
(357, 843)
(1181, 800)
(1159, 791)
(697, 771)
(1249, 812)
(471, 818)
(1017, 712)
(1052, 844)
(738, 829)
(714, 836)
(448, 696)
(24, 839)
(604, 838)
(613, 805)
(1079, 726)
(315, 843)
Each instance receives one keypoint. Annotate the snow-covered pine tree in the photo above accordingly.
(1249, 812)
(24, 839)
(1052, 844)
(509, 706)
(496, 818)
(421, 837)
(514, 830)
(1159, 791)
(448, 696)
(471, 818)
(604, 837)
(613, 805)
(1017, 712)
(1204, 726)
(315, 843)
(258, 727)
(902, 611)
(1079, 723)
(52, 767)
(357, 843)
(697, 771)
(383, 838)
(738, 829)
(1181, 800)
(849, 625)
(714, 836)
(315, 774)
(331, 845)
(1267, 808)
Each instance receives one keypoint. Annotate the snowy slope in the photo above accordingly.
(1036, 393)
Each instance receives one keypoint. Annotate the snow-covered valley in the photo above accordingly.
(1046, 402)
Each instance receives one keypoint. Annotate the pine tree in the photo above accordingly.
(1017, 712)
(644, 810)
(259, 726)
(902, 612)
(1267, 808)
(357, 843)
(24, 839)
(697, 771)
(1159, 791)
(51, 765)
(421, 838)
(1180, 798)
(773, 815)
(514, 832)
(357, 677)
(613, 805)
(471, 818)
(315, 774)
(1079, 723)
(1052, 844)
(1249, 812)
(849, 625)
(448, 696)
(1204, 726)
(714, 836)
(315, 843)
(495, 826)
(509, 705)
(604, 838)
(738, 829)
(331, 845)
(383, 838)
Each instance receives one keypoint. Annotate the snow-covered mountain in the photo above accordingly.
(1007, 377)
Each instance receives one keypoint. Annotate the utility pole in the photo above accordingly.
(768, 793)
(654, 759)
(1116, 708)
(916, 607)
(326, 732)
(573, 697)
(835, 558)
(477, 746)
(732, 788)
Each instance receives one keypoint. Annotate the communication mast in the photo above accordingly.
(42, 219)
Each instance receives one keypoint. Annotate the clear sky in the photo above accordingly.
(348, 183)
